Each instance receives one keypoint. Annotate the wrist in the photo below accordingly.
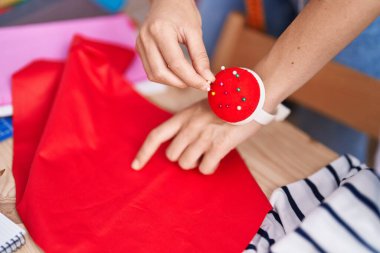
(275, 90)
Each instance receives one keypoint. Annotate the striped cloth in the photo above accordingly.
(337, 209)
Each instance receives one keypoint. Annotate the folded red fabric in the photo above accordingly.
(77, 127)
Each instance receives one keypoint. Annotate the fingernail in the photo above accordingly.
(135, 165)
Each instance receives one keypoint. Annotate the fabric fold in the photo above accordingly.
(78, 126)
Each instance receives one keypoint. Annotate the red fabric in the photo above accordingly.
(228, 92)
(77, 128)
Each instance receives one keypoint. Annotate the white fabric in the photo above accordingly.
(336, 209)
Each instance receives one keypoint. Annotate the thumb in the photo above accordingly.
(198, 55)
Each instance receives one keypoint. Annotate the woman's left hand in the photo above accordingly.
(200, 139)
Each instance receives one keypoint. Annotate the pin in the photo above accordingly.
(238, 89)
(244, 99)
(238, 107)
(222, 68)
(212, 93)
(234, 72)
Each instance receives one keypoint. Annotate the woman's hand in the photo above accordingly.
(169, 24)
(199, 139)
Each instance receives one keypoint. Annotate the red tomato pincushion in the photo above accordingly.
(235, 95)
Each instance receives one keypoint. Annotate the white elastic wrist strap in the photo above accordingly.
(262, 117)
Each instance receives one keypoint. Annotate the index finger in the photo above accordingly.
(155, 138)
(174, 57)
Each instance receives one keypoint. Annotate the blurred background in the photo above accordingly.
(363, 54)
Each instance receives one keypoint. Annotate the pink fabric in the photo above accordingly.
(22, 44)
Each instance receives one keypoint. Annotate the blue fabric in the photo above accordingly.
(278, 16)
(363, 54)
(111, 5)
(213, 15)
(6, 129)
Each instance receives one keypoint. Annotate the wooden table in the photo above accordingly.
(278, 154)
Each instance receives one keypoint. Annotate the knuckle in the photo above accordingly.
(203, 144)
(185, 164)
(194, 30)
(187, 134)
(175, 64)
(153, 135)
(205, 135)
(220, 143)
(158, 75)
(192, 127)
(201, 56)
(156, 27)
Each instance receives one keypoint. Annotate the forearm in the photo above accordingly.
(321, 30)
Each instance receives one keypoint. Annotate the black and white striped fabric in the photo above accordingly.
(337, 209)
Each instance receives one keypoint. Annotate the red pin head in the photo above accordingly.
(235, 94)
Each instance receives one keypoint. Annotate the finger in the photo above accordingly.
(155, 138)
(141, 51)
(175, 59)
(158, 70)
(180, 142)
(192, 154)
(198, 54)
(211, 159)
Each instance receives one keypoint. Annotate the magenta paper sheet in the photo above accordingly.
(23, 44)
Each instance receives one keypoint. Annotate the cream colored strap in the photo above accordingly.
(262, 117)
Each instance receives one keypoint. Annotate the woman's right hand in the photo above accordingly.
(169, 24)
